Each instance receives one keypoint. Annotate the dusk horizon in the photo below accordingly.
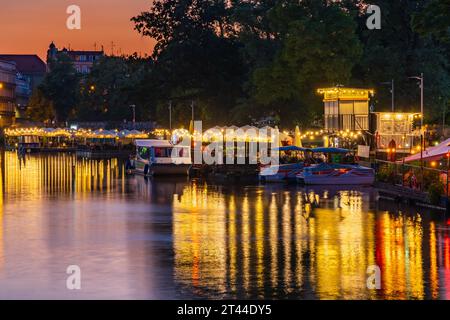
(103, 22)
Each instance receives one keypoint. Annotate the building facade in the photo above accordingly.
(8, 74)
(346, 108)
(83, 61)
(30, 66)
(23, 95)
(396, 131)
(30, 72)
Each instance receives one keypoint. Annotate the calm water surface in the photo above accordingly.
(146, 239)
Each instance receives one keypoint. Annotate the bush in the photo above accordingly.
(435, 191)
(386, 174)
(430, 177)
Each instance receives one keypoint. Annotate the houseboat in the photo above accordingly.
(160, 157)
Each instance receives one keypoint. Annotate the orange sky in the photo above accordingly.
(28, 26)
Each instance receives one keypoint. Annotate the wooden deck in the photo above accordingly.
(103, 154)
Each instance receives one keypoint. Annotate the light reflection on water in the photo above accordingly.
(137, 238)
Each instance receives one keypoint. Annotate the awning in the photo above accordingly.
(330, 150)
(291, 148)
(432, 153)
(154, 143)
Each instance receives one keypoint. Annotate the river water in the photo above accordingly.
(136, 238)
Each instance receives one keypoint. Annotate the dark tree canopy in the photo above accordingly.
(240, 61)
(61, 87)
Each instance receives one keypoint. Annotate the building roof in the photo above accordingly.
(81, 52)
(26, 63)
(342, 93)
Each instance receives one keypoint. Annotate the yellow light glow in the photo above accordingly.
(345, 93)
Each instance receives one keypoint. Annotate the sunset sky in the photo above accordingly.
(28, 26)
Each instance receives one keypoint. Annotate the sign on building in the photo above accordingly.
(363, 151)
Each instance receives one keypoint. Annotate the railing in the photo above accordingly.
(412, 176)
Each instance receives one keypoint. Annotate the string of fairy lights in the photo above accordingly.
(245, 134)
(240, 134)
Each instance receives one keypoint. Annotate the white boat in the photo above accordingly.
(337, 174)
(160, 157)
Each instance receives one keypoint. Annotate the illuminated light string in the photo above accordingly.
(249, 134)
(71, 133)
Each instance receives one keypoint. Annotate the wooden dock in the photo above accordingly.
(229, 173)
(103, 154)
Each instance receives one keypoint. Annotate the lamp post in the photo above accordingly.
(392, 92)
(170, 116)
(420, 78)
(339, 86)
(193, 109)
(133, 108)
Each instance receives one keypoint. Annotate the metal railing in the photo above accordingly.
(411, 176)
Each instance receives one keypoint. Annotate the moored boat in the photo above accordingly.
(160, 157)
(337, 174)
(284, 172)
(281, 173)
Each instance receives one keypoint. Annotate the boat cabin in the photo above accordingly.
(162, 152)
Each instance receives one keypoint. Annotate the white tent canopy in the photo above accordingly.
(430, 154)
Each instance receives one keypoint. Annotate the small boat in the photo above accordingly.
(336, 173)
(160, 157)
(283, 172)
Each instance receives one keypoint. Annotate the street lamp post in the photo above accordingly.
(133, 107)
(420, 78)
(170, 116)
(193, 108)
(422, 140)
(392, 92)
